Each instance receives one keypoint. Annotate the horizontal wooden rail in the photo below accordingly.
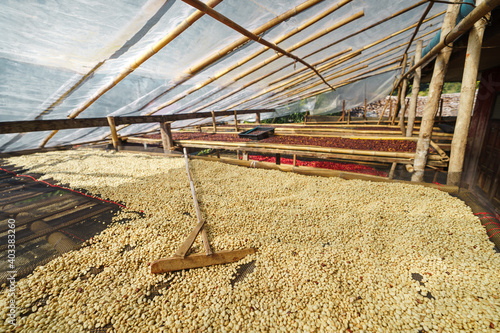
(59, 124)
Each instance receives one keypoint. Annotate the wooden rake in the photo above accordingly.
(180, 261)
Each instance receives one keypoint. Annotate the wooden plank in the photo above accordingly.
(59, 124)
(78, 217)
(198, 260)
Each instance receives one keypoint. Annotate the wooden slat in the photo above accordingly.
(59, 124)
(198, 260)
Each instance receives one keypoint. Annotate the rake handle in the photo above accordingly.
(204, 236)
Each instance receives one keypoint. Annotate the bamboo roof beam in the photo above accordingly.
(192, 71)
(419, 23)
(346, 57)
(224, 20)
(340, 40)
(347, 81)
(462, 27)
(271, 59)
(256, 54)
(335, 76)
(136, 63)
(280, 86)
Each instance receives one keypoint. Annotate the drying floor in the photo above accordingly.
(333, 255)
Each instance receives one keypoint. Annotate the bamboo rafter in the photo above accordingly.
(224, 20)
(267, 62)
(346, 57)
(245, 60)
(135, 64)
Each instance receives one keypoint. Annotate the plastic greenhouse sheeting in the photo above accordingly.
(56, 55)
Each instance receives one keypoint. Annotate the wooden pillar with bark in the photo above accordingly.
(465, 105)
(412, 111)
(435, 88)
(402, 102)
(114, 134)
(213, 122)
(166, 137)
(257, 118)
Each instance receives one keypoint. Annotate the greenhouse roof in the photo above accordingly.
(89, 58)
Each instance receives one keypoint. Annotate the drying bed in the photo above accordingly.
(389, 145)
(333, 255)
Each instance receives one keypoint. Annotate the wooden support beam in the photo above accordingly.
(213, 122)
(226, 21)
(458, 30)
(393, 168)
(59, 124)
(466, 103)
(166, 137)
(402, 101)
(114, 135)
(414, 91)
(435, 88)
(441, 109)
(257, 118)
(294, 160)
(235, 122)
(278, 159)
(364, 115)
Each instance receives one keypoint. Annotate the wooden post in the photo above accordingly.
(393, 168)
(435, 88)
(364, 116)
(257, 118)
(166, 137)
(213, 122)
(245, 156)
(397, 111)
(343, 109)
(217, 152)
(385, 106)
(348, 117)
(235, 121)
(403, 103)
(465, 105)
(294, 160)
(305, 117)
(414, 91)
(441, 109)
(278, 159)
(390, 109)
(114, 134)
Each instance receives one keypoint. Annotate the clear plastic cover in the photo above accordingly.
(56, 55)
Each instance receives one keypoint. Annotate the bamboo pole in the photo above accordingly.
(364, 115)
(214, 123)
(322, 172)
(458, 30)
(435, 88)
(467, 93)
(393, 168)
(337, 62)
(338, 85)
(136, 63)
(224, 20)
(414, 91)
(268, 61)
(403, 103)
(235, 122)
(114, 135)
(240, 63)
(384, 39)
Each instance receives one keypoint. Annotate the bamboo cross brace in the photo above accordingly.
(224, 20)
(252, 56)
(338, 62)
(265, 63)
